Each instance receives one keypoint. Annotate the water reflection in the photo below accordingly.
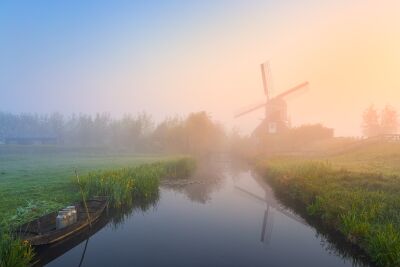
(118, 216)
(199, 187)
(332, 242)
(224, 215)
(210, 178)
(271, 206)
(113, 218)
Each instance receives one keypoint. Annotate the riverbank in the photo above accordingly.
(30, 187)
(41, 178)
(361, 203)
(222, 205)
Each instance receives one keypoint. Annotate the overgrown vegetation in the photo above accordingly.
(362, 204)
(142, 182)
(13, 252)
(38, 180)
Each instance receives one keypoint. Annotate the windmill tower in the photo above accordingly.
(276, 117)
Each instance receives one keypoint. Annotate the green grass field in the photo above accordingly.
(40, 176)
(35, 180)
(355, 193)
(380, 157)
(375, 158)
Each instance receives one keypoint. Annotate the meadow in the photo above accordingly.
(353, 193)
(41, 178)
(35, 180)
(38, 179)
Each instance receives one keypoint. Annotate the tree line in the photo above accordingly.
(375, 122)
(196, 133)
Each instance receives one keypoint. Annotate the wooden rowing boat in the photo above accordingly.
(42, 231)
(47, 253)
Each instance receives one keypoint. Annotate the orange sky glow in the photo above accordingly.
(210, 60)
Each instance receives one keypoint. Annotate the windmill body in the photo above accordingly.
(276, 116)
(276, 120)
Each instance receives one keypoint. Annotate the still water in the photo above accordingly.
(225, 216)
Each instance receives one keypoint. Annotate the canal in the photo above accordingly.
(224, 216)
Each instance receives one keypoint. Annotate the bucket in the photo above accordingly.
(69, 215)
(62, 220)
(74, 214)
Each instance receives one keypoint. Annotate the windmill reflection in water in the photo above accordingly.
(268, 219)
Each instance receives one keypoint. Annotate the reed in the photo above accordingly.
(179, 168)
(124, 185)
(362, 206)
(14, 253)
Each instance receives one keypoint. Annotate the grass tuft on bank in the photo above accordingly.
(14, 253)
(142, 181)
(363, 206)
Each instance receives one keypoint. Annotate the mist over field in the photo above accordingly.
(199, 133)
(180, 57)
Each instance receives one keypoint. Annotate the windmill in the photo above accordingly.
(276, 117)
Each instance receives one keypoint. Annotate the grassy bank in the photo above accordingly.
(124, 185)
(363, 204)
(13, 252)
(38, 180)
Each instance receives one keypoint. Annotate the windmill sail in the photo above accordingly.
(264, 80)
(280, 96)
(276, 118)
(248, 110)
(292, 90)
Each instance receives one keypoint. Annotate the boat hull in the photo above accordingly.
(43, 231)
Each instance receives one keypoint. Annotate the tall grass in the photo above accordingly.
(14, 253)
(123, 185)
(363, 207)
(179, 168)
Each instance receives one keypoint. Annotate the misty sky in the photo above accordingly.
(175, 57)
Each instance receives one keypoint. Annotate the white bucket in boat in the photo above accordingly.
(74, 214)
(61, 220)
